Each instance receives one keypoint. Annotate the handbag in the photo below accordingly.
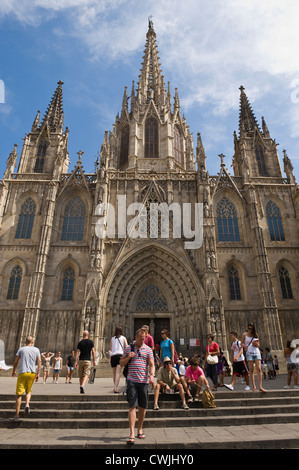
(208, 399)
(212, 360)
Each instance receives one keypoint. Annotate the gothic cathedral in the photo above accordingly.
(58, 277)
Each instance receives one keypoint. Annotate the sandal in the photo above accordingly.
(131, 440)
(141, 435)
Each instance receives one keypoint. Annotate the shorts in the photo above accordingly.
(114, 360)
(291, 367)
(137, 394)
(70, 368)
(56, 371)
(270, 366)
(253, 357)
(84, 369)
(240, 369)
(24, 383)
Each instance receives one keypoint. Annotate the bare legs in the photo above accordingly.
(259, 374)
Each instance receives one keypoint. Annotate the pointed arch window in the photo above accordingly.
(26, 219)
(151, 300)
(234, 284)
(260, 158)
(285, 283)
(124, 146)
(74, 220)
(68, 283)
(227, 221)
(151, 138)
(14, 283)
(274, 222)
(178, 146)
(40, 156)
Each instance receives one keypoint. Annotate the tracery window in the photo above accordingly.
(74, 220)
(151, 300)
(227, 221)
(274, 222)
(234, 284)
(40, 156)
(14, 283)
(260, 157)
(178, 146)
(26, 219)
(68, 283)
(285, 283)
(124, 146)
(151, 138)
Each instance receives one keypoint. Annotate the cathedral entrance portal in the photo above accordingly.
(156, 326)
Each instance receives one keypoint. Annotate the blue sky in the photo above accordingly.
(207, 50)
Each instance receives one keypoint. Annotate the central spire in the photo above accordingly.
(151, 81)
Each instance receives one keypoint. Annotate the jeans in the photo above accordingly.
(211, 371)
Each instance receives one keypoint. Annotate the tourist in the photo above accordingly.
(195, 378)
(28, 356)
(141, 369)
(84, 350)
(149, 340)
(47, 356)
(251, 343)
(238, 362)
(118, 344)
(70, 365)
(211, 363)
(166, 347)
(269, 363)
(291, 366)
(57, 367)
(168, 381)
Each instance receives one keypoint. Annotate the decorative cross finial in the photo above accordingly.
(80, 153)
(241, 88)
(150, 22)
(222, 157)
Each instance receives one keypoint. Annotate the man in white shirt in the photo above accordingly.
(28, 356)
(238, 361)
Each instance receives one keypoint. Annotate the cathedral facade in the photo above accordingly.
(59, 277)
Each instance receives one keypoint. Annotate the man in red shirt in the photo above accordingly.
(149, 340)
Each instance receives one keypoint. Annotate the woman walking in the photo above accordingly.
(251, 344)
(118, 344)
(166, 347)
(211, 361)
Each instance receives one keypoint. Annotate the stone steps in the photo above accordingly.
(106, 414)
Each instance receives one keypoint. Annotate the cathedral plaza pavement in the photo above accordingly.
(183, 437)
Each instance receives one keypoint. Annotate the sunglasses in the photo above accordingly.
(162, 334)
(167, 363)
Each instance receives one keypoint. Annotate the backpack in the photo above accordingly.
(126, 368)
(208, 399)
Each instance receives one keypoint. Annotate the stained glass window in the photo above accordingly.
(68, 284)
(178, 146)
(74, 220)
(227, 221)
(40, 156)
(285, 283)
(274, 222)
(124, 146)
(259, 153)
(26, 219)
(152, 300)
(151, 138)
(234, 284)
(14, 283)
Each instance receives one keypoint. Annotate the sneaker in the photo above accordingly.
(156, 407)
(196, 398)
(286, 386)
(82, 390)
(230, 387)
(185, 406)
(296, 386)
(27, 410)
(247, 388)
(190, 400)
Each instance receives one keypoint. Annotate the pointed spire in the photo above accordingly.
(133, 96)
(35, 124)
(151, 82)
(247, 119)
(54, 115)
(265, 128)
(176, 100)
(288, 168)
(11, 162)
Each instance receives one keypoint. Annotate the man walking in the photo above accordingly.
(141, 369)
(85, 348)
(28, 356)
